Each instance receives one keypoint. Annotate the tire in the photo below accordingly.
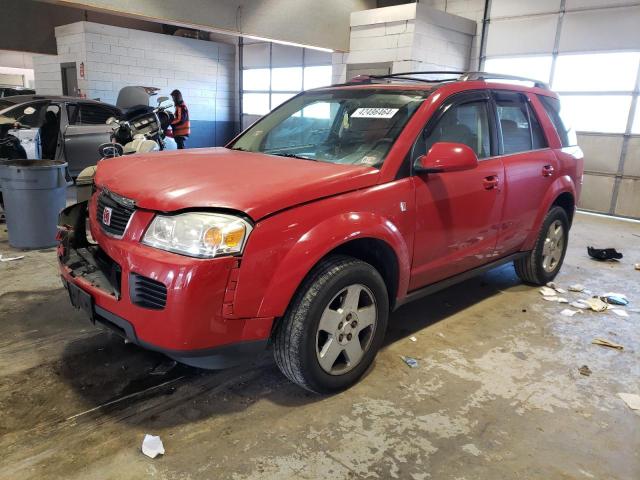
(303, 346)
(540, 267)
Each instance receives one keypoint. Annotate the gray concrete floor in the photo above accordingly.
(497, 394)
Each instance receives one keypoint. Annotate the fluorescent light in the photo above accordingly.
(292, 44)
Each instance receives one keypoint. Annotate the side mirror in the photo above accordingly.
(162, 100)
(446, 157)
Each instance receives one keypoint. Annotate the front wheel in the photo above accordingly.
(543, 263)
(334, 326)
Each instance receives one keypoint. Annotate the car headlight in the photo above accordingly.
(198, 234)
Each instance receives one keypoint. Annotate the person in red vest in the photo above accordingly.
(180, 126)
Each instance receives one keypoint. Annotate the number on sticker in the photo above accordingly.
(374, 112)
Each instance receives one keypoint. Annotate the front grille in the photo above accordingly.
(146, 292)
(121, 211)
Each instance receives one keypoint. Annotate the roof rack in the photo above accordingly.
(456, 76)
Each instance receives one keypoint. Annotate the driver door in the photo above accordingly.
(458, 213)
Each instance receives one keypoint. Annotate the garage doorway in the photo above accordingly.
(69, 79)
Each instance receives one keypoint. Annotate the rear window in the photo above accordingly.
(565, 132)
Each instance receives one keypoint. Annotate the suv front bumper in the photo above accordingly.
(189, 328)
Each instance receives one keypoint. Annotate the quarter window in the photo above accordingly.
(567, 134)
(466, 123)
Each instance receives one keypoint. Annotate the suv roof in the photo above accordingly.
(439, 77)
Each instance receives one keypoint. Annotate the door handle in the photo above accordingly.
(547, 170)
(491, 182)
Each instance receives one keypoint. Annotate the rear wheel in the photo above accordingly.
(543, 263)
(334, 326)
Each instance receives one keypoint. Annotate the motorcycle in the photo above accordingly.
(140, 130)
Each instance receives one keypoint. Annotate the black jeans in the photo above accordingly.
(180, 142)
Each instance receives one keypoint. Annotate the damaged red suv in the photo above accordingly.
(310, 227)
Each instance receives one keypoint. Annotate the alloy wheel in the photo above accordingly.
(553, 246)
(346, 329)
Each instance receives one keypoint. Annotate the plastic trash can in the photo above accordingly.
(84, 183)
(34, 191)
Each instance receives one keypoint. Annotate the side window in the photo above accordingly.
(514, 122)
(565, 132)
(94, 114)
(537, 135)
(72, 114)
(466, 123)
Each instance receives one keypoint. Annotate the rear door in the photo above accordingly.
(85, 131)
(530, 167)
(458, 213)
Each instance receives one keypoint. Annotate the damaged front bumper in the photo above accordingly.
(190, 328)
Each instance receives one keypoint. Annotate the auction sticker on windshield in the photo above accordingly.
(374, 113)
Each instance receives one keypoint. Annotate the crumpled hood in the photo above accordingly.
(253, 183)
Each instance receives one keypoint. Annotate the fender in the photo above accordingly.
(317, 242)
(562, 184)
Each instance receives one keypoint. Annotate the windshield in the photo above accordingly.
(350, 126)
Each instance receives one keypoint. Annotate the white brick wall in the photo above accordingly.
(410, 37)
(115, 57)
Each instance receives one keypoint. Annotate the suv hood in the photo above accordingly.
(253, 183)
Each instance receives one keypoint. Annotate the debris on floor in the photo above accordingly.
(581, 304)
(637, 266)
(567, 312)
(10, 259)
(585, 370)
(614, 298)
(604, 253)
(619, 312)
(163, 368)
(603, 342)
(631, 399)
(520, 355)
(596, 304)
(556, 287)
(412, 362)
(413, 339)
(576, 287)
(152, 446)
(547, 292)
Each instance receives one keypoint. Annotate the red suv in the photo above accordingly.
(315, 223)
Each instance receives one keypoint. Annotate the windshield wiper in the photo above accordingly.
(293, 155)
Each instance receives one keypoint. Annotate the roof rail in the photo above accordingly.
(468, 76)
(456, 76)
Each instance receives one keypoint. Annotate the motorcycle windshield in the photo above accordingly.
(135, 96)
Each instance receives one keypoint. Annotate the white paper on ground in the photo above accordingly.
(550, 298)
(631, 399)
(547, 292)
(567, 312)
(10, 259)
(580, 304)
(152, 446)
(619, 312)
(576, 287)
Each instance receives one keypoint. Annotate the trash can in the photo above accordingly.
(34, 191)
(84, 183)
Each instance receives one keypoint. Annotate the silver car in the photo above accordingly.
(60, 128)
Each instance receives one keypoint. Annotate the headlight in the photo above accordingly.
(202, 235)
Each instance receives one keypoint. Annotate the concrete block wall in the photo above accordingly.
(471, 9)
(408, 37)
(115, 57)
